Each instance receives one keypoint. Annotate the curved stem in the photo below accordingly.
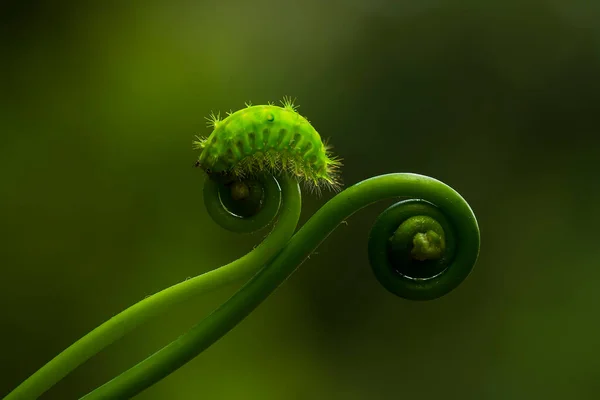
(317, 229)
(124, 322)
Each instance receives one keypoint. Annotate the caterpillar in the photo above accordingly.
(268, 138)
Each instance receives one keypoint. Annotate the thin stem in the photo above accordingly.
(124, 322)
(316, 230)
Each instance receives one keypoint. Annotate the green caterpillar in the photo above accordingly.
(268, 138)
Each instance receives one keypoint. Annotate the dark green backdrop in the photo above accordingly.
(100, 205)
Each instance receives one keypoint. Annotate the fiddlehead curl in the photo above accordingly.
(415, 253)
(242, 205)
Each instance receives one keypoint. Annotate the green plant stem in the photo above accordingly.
(319, 226)
(124, 322)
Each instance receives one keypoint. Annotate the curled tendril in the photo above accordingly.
(445, 236)
(419, 249)
(413, 250)
(243, 206)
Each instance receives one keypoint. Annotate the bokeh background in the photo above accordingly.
(100, 205)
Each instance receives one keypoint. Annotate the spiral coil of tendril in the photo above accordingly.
(420, 248)
(412, 245)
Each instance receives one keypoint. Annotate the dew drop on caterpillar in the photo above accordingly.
(268, 138)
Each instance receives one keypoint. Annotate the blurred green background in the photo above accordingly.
(100, 205)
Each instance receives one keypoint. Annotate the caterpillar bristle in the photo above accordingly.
(288, 103)
(284, 163)
(213, 120)
(334, 164)
(199, 143)
(327, 144)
